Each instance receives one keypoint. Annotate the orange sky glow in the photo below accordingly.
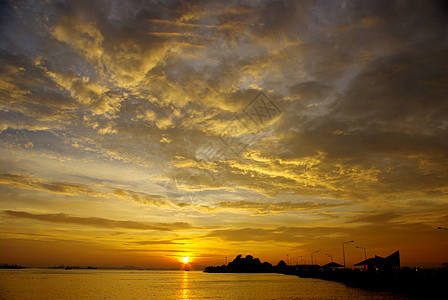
(136, 134)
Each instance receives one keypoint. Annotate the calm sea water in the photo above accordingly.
(119, 284)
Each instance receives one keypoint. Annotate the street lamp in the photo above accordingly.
(312, 263)
(442, 228)
(365, 252)
(330, 256)
(343, 249)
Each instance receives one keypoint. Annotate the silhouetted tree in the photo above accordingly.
(248, 264)
(281, 266)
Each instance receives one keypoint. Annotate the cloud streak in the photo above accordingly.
(26, 181)
(284, 206)
(62, 218)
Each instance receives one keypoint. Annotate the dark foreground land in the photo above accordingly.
(415, 283)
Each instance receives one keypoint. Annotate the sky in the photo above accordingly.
(133, 133)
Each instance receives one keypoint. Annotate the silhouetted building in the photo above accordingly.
(332, 266)
(380, 264)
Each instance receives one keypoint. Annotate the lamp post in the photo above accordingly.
(442, 228)
(330, 256)
(343, 249)
(312, 263)
(365, 252)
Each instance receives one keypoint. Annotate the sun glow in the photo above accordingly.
(185, 259)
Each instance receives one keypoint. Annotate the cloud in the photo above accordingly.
(62, 218)
(132, 74)
(380, 218)
(143, 198)
(310, 91)
(284, 206)
(26, 181)
(158, 242)
(287, 234)
(377, 237)
(250, 234)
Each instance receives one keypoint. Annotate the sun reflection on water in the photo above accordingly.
(185, 289)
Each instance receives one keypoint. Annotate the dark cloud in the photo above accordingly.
(310, 91)
(399, 93)
(62, 218)
(375, 218)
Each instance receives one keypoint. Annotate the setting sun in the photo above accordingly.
(185, 259)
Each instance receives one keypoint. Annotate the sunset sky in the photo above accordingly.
(140, 132)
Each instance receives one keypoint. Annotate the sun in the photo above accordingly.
(185, 259)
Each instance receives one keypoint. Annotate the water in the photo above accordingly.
(127, 284)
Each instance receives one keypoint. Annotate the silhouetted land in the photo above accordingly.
(73, 267)
(6, 266)
(415, 283)
(248, 264)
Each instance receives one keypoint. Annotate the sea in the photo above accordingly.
(150, 284)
